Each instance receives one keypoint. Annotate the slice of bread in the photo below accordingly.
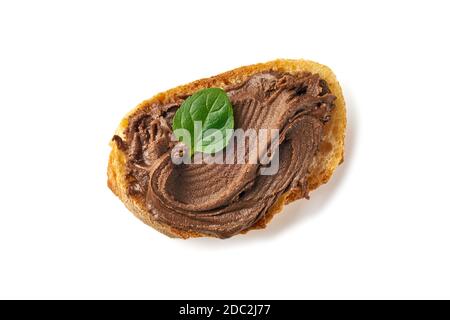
(329, 156)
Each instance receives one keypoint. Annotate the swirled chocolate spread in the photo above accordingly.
(224, 199)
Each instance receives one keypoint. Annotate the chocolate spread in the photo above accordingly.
(225, 199)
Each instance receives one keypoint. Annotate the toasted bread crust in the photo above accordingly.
(329, 156)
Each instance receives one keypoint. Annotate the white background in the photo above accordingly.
(70, 70)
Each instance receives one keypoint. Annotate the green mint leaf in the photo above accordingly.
(211, 108)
